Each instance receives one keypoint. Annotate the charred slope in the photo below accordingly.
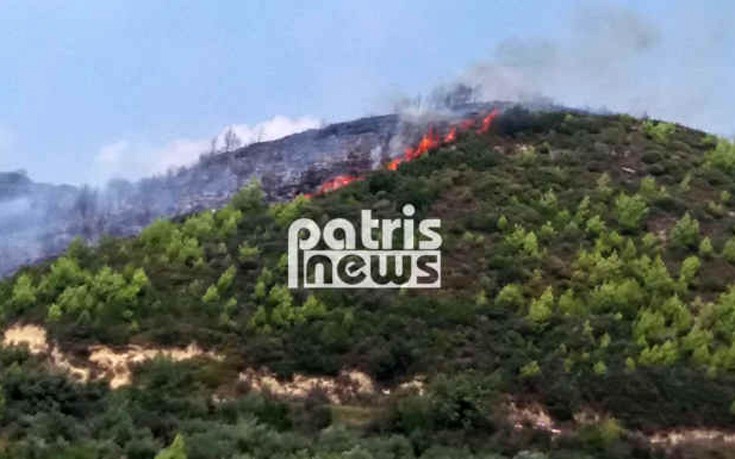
(38, 221)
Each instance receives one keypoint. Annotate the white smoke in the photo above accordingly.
(275, 128)
(125, 159)
(611, 58)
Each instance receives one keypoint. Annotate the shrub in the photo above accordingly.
(502, 223)
(665, 354)
(530, 370)
(689, 268)
(249, 199)
(225, 280)
(728, 252)
(524, 241)
(24, 294)
(723, 156)
(595, 225)
(705, 247)
(660, 131)
(686, 232)
(177, 450)
(246, 253)
(602, 434)
(510, 296)
(648, 188)
(541, 308)
(630, 211)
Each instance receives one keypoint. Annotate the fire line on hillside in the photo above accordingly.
(429, 141)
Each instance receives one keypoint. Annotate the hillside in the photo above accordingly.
(40, 220)
(587, 309)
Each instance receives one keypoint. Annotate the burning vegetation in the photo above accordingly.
(431, 140)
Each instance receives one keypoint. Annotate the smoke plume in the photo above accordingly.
(615, 59)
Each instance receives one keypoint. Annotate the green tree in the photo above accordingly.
(177, 449)
(549, 200)
(603, 185)
(524, 241)
(630, 211)
(510, 296)
(250, 199)
(569, 304)
(705, 247)
(595, 225)
(285, 213)
(542, 307)
(65, 272)
(24, 294)
(648, 188)
(211, 296)
(723, 156)
(685, 184)
(227, 220)
(200, 226)
(283, 313)
(530, 370)
(246, 253)
(225, 280)
(656, 277)
(665, 354)
(583, 210)
(728, 252)
(659, 131)
(313, 308)
(685, 232)
(502, 223)
(650, 326)
(677, 314)
(54, 313)
(698, 342)
(689, 269)
(157, 235)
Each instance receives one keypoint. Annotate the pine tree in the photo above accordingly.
(177, 449)
(630, 211)
(24, 294)
(705, 247)
(541, 308)
(728, 252)
(686, 232)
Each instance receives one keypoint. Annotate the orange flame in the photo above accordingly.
(393, 165)
(336, 183)
(429, 141)
(451, 136)
(488, 121)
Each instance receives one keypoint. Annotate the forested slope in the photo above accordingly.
(588, 269)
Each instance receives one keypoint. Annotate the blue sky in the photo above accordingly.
(91, 90)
